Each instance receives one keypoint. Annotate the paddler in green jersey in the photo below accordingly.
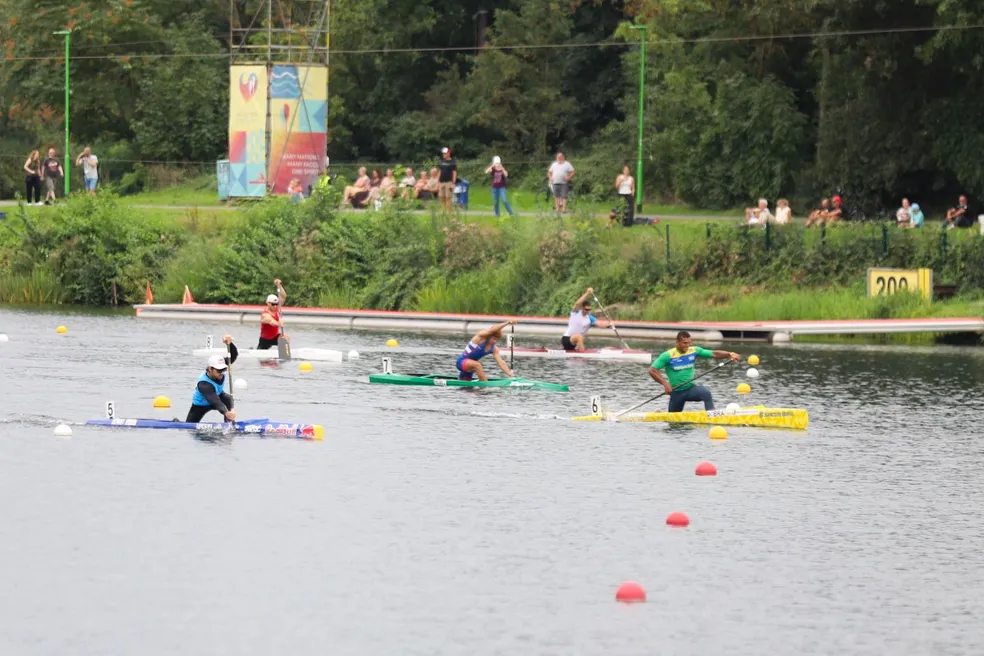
(679, 365)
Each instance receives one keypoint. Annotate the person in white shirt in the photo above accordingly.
(625, 186)
(581, 320)
(559, 175)
(783, 212)
(758, 215)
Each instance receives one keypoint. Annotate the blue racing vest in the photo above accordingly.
(197, 398)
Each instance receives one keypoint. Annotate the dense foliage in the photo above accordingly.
(397, 260)
(791, 98)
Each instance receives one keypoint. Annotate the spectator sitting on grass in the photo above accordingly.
(784, 214)
(819, 215)
(916, 218)
(407, 183)
(959, 216)
(388, 187)
(902, 215)
(758, 215)
(421, 190)
(357, 193)
(434, 184)
(836, 212)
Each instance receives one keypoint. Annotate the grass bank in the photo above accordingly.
(92, 250)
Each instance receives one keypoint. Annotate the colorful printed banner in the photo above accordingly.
(247, 131)
(298, 125)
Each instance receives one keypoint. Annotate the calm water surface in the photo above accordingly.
(435, 521)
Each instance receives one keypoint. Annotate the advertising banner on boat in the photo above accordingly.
(247, 131)
(298, 125)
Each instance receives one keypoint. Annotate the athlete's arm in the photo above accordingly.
(281, 293)
(720, 355)
(502, 363)
(233, 353)
(584, 297)
(656, 375)
(268, 319)
(488, 332)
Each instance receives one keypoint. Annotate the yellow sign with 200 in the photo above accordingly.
(884, 282)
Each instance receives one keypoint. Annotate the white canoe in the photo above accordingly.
(611, 354)
(312, 354)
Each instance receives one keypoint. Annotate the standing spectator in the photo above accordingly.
(499, 178)
(819, 215)
(625, 186)
(90, 169)
(51, 173)
(959, 216)
(559, 175)
(784, 214)
(916, 216)
(448, 178)
(902, 215)
(758, 215)
(33, 180)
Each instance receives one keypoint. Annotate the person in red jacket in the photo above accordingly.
(271, 324)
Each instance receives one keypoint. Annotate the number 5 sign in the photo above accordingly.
(884, 282)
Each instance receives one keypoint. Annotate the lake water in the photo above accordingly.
(437, 521)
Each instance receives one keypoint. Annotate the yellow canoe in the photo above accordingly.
(759, 416)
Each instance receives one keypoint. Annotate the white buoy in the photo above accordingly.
(353, 355)
(752, 372)
(63, 430)
(780, 338)
(241, 384)
(732, 408)
(3, 338)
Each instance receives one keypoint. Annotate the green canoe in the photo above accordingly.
(437, 380)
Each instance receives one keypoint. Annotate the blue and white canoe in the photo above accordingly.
(258, 427)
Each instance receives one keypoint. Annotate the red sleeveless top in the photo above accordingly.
(268, 331)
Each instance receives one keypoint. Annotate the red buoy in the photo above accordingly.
(678, 519)
(706, 469)
(630, 592)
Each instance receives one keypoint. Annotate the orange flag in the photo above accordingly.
(150, 295)
(187, 299)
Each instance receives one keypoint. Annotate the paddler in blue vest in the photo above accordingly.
(580, 322)
(482, 344)
(209, 394)
(679, 365)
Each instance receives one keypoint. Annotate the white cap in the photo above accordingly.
(496, 159)
(444, 150)
(273, 298)
(217, 362)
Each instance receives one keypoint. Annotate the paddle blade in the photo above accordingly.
(283, 348)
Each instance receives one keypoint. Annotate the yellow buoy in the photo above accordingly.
(305, 366)
(753, 360)
(162, 402)
(718, 433)
(743, 388)
(61, 330)
(392, 342)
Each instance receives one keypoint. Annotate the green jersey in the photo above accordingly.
(679, 366)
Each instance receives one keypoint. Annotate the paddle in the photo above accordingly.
(512, 335)
(610, 322)
(663, 393)
(283, 345)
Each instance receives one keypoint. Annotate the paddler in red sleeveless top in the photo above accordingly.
(271, 325)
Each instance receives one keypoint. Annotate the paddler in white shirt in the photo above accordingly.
(581, 320)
